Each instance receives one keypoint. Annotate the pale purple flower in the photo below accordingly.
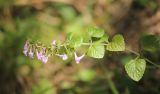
(25, 50)
(31, 53)
(39, 55)
(44, 59)
(64, 56)
(54, 42)
(78, 59)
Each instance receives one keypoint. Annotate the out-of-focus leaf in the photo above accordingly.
(143, 2)
(150, 43)
(43, 87)
(67, 12)
(86, 75)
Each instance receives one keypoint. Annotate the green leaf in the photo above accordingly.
(150, 43)
(143, 2)
(43, 87)
(96, 51)
(86, 75)
(75, 40)
(67, 12)
(117, 44)
(95, 32)
(103, 39)
(135, 69)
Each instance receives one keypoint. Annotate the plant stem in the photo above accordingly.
(149, 61)
(109, 81)
(112, 86)
(127, 49)
(92, 44)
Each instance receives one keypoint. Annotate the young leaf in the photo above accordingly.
(103, 39)
(96, 51)
(135, 69)
(95, 32)
(75, 40)
(117, 44)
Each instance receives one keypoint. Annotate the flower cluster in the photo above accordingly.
(41, 56)
(30, 50)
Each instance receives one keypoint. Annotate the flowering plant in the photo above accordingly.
(96, 43)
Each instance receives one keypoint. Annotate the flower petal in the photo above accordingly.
(31, 54)
(54, 42)
(63, 56)
(78, 59)
(25, 49)
(44, 59)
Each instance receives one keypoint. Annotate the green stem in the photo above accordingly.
(112, 86)
(109, 81)
(127, 49)
(93, 43)
(149, 61)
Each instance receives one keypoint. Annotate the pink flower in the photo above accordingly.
(31, 53)
(25, 49)
(78, 59)
(64, 56)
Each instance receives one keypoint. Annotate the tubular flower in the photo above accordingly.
(44, 59)
(54, 42)
(31, 53)
(64, 56)
(39, 55)
(78, 59)
(25, 49)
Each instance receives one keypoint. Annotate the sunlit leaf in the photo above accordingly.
(96, 51)
(104, 38)
(135, 68)
(75, 40)
(117, 44)
(95, 32)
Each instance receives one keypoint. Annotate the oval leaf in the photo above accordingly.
(95, 32)
(96, 51)
(117, 44)
(75, 40)
(135, 69)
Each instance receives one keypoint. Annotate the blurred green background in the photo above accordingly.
(44, 20)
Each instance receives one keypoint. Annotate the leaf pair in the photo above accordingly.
(97, 49)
